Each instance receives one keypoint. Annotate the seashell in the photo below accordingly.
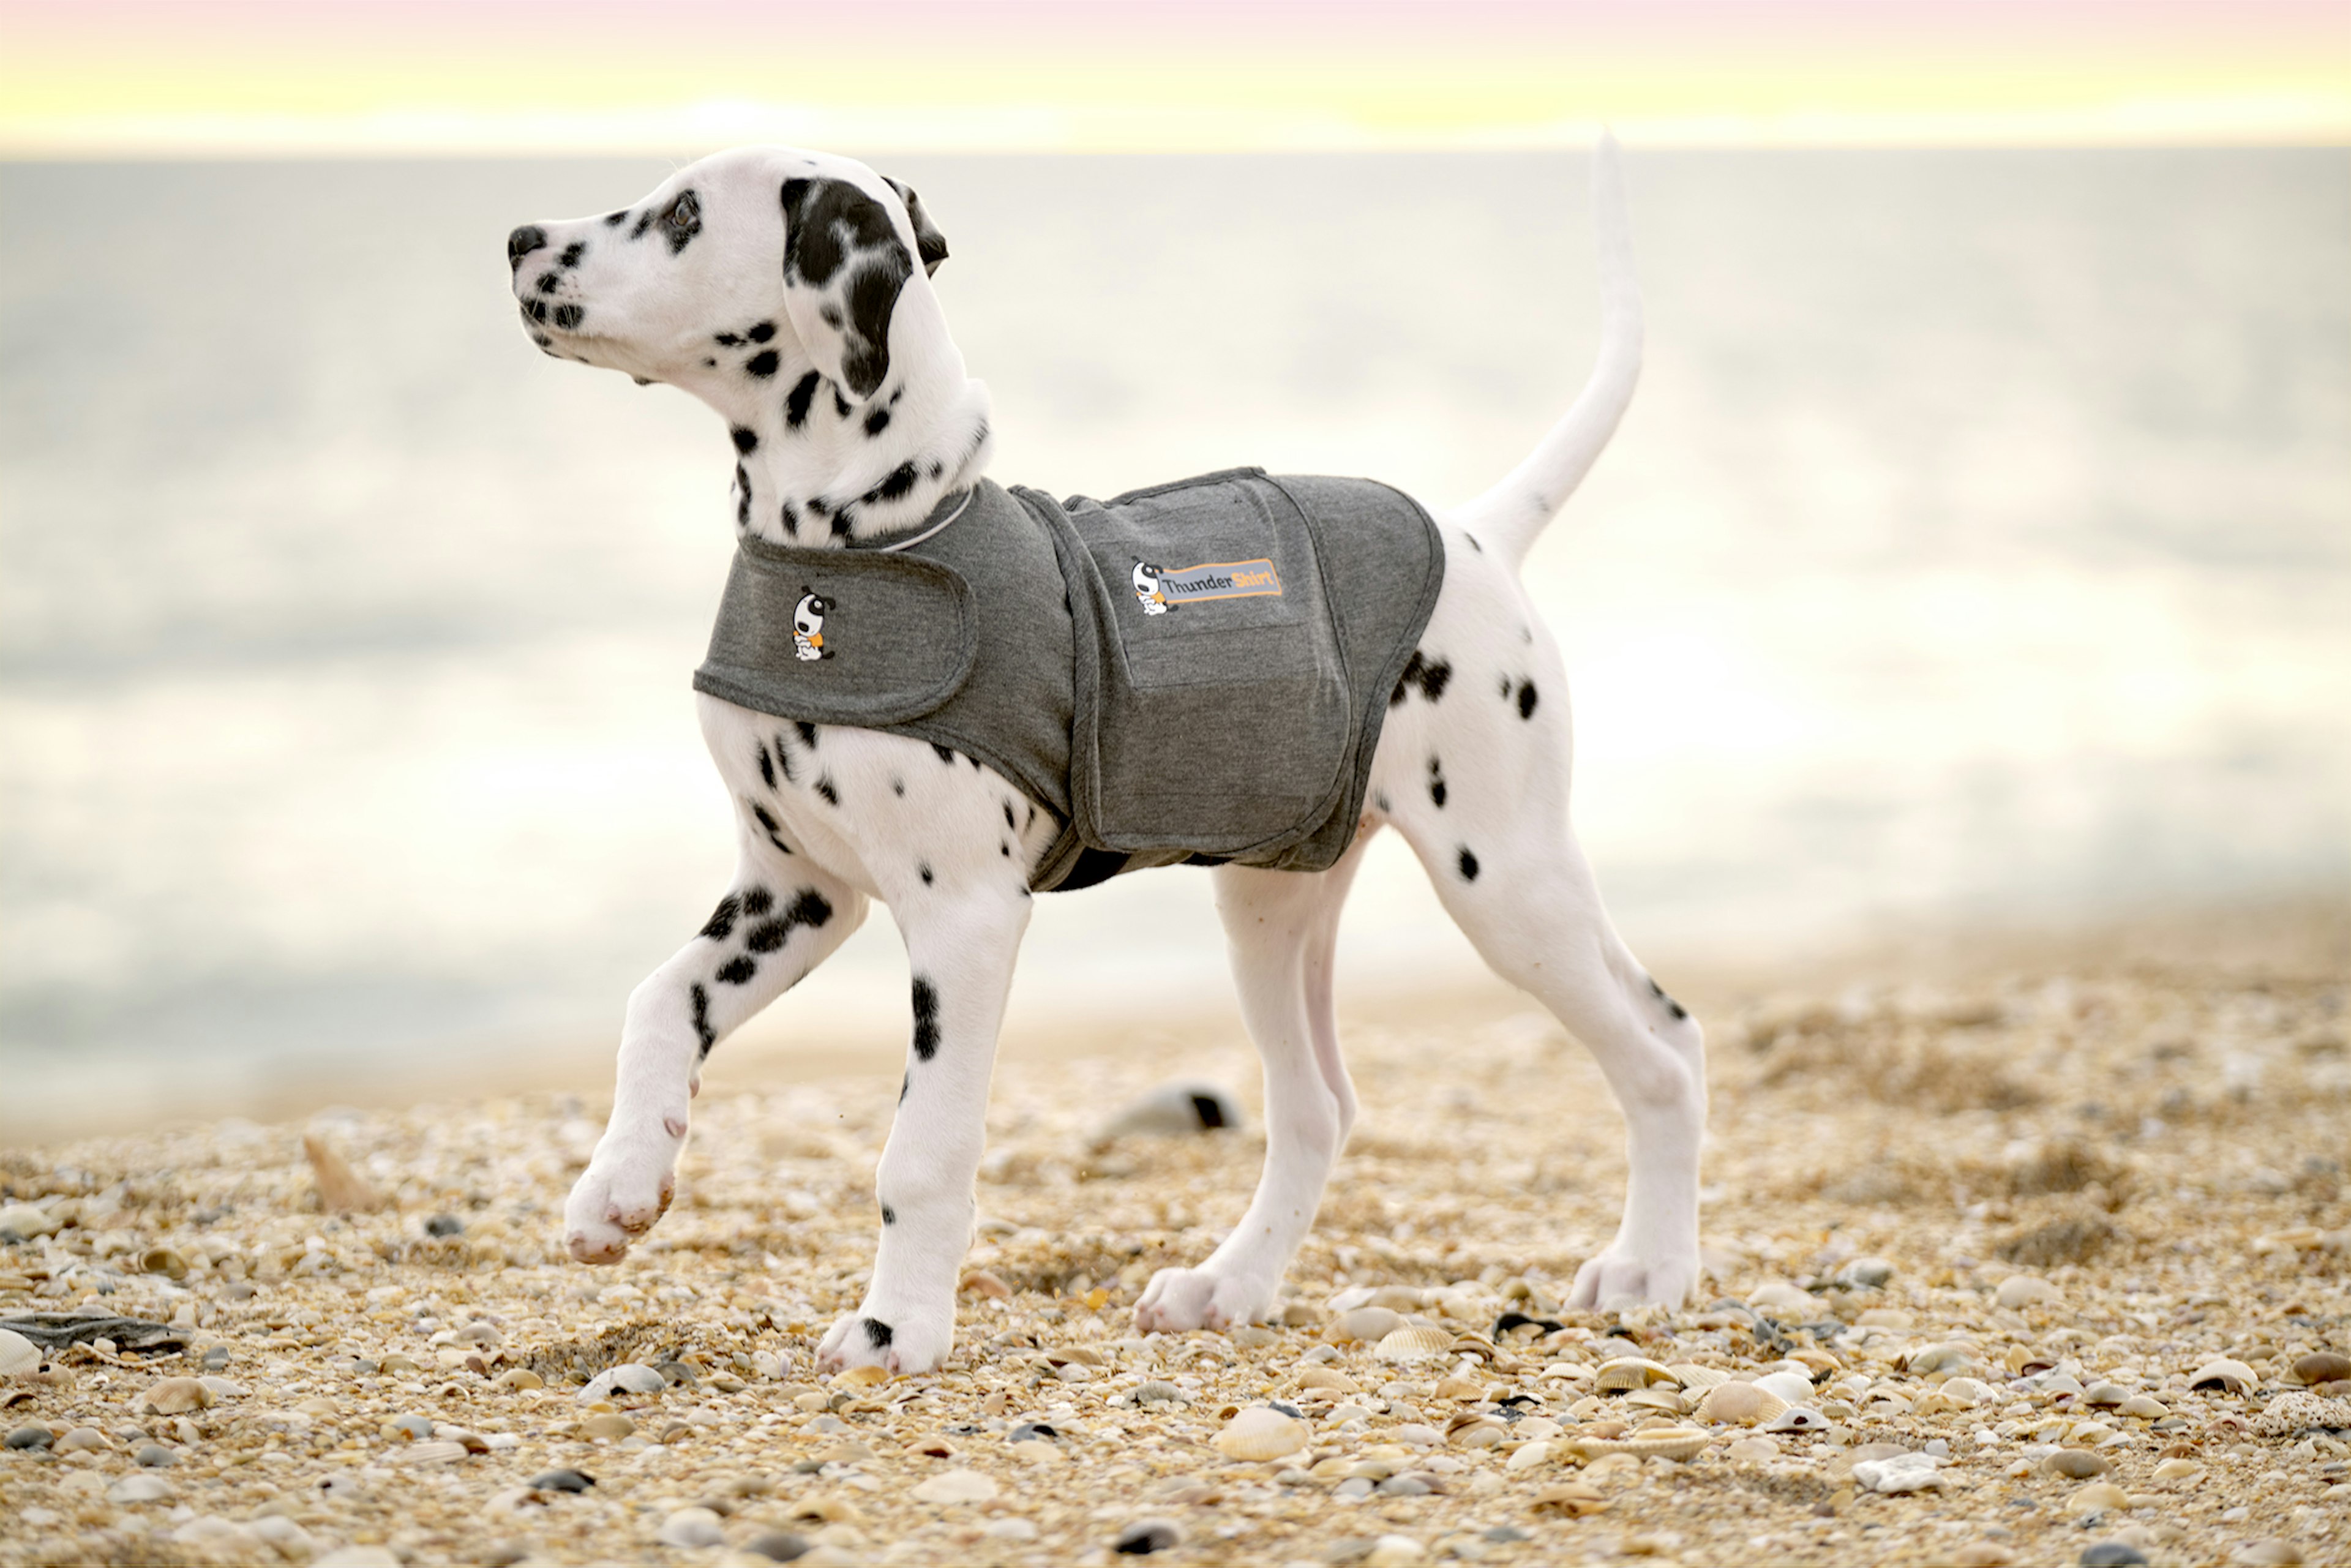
(1967, 1391)
(1739, 1404)
(1927, 1360)
(1260, 1432)
(951, 1486)
(2024, 1290)
(27, 1222)
(1797, 1418)
(1680, 1443)
(175, 1396)
(18, 1354)
(1576, 1500)
(626, 1378)
(1460, 1389)
(857, 1377)
(2076, 1464)
(1363, 1325)
(1626, 1373)
(692, 1527)
(1475, 1345)
(1691, 1375)
(2146, 1406)
(341, 1190)
(2104, 1395)
(1779, 1295)
(2232, 1376)
(1412, 1344)
(1397, 1298)
(1791, 1386)
(435, 1453)
(1663, 1399)
(2322, 1366)
(164, 1260)
(1337, 1381)
(1528, 1456)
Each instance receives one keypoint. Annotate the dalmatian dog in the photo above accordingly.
(808, 627)
(791, 291)
(1147, 591)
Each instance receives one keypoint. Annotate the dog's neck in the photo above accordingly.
(813, 468)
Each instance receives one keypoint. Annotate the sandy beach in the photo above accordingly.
(2027, 1249)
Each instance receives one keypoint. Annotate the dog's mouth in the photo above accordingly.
(563, 316)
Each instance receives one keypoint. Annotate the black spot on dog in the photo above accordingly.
(757, 901)
(765, 820)
(1380, 800)
(728, 341)
(809, 908)
(806, 731)
(721, 924)
(1474, 544)
(572, 253)
(1207, 1108)
(548, 282)
(926, 1019)
(842, 521)
(745, 441)
(569, 316)
(644, 223)
(614, 220)
(1009, 819)
(791, 520)
(1419, 672)
(1005, 850)
(889, 1215)
(1506, 688)
(1436, 793)
(1673, 1006)
(818, 506)
(702, 1030)
(768, 935)
(841, 404)
(1527, 700)
(710, 364)
(742, 497)
(923, 870)
(824, 788)
(784, 760)
(738, 970)
(937, 469)
(831, 316)
(761, 332)
(945, 755)
(1468, 865)
(898, 786)
(767, 767)
(877, 421)
(877, 1333)
(894, 486)
(761, 364)
(796, 401)
(906, 1081)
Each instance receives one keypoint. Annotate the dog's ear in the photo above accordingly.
(844, 267)
(929, 244)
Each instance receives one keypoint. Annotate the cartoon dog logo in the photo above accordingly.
(1147, 590)
(807, 626)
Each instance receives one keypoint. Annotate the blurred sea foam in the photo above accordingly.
(1979, 546)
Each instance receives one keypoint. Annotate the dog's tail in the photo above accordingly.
(1506, 518)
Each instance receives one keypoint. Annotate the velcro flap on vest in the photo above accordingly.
(840, 636)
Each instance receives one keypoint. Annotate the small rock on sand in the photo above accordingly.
(1172, 1110)
(950, 1487)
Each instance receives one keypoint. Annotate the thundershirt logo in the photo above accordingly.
(1220, 579)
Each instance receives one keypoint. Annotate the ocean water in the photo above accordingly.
(1979, 544)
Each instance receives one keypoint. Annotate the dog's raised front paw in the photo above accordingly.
(906, 1340)
(1624, 1276)
(627, 1186)
(1181, 1298)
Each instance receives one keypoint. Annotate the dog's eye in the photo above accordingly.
(685, 212)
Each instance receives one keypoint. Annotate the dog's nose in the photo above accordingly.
(522, 242)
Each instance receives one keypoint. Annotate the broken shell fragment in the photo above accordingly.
(2235, 1376)
(1364, 1324)
(1680, 1443)
(1797, 1418)
(1260, 1432)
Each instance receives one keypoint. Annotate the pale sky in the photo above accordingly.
(209, 77)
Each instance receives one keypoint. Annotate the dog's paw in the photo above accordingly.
(1181, 1298)
(627, 1186)
(1625, 1276)
(906, 1340)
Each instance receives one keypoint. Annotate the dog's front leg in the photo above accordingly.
(961, 948)
(782, 920)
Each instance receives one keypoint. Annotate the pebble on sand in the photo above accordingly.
(692, 1527)
(176, 1397)
(2024, 1290)
(958, 1486)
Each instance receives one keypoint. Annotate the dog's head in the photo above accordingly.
(733, 269)
(807, 615)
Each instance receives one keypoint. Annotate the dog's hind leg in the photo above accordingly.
(781, 919)
(1281, 926)
(961, 946)
(1526, 898)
